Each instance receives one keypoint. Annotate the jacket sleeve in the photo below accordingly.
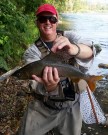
(76, 39)
(32, 54)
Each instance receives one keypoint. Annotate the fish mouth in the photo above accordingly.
(9, 73)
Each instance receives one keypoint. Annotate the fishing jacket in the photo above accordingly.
(39, 50)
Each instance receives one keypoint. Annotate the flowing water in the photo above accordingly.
(92, 27)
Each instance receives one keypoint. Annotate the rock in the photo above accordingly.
(106, 87)
(106, 123)
(84, 134)
(102, 65)
(98, 48)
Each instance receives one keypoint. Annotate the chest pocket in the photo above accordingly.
(42, 48)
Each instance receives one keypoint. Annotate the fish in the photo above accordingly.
(64, 70)
(59, 60)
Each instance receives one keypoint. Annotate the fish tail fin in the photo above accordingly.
(92, 81)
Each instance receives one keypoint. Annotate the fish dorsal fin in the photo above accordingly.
(58, 57)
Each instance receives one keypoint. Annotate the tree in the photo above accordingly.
(15, 31)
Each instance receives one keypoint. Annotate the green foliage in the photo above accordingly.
(3, 63)
(77, 5)
(16, 32)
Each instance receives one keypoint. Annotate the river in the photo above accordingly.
(92, 27)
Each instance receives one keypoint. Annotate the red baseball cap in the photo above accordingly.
(46, 8)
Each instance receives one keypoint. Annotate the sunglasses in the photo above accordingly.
(43, 19)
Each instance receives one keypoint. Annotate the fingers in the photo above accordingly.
(50, 76)
(56, 75)
(60, 43)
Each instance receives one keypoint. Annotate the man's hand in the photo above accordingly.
(50, 78)
(63, 42)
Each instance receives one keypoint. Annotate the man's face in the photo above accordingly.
(47, 23)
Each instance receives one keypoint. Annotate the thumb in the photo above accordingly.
(38, 79)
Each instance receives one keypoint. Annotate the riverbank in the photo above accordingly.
(15, 95)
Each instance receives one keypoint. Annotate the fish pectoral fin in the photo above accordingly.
(92, 82)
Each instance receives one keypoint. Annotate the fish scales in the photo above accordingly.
(36, 68)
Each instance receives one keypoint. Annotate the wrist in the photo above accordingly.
(50, 88)
(76, 50)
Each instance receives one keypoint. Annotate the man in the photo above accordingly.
(44, 114)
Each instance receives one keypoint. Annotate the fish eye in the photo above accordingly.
(18, 74)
